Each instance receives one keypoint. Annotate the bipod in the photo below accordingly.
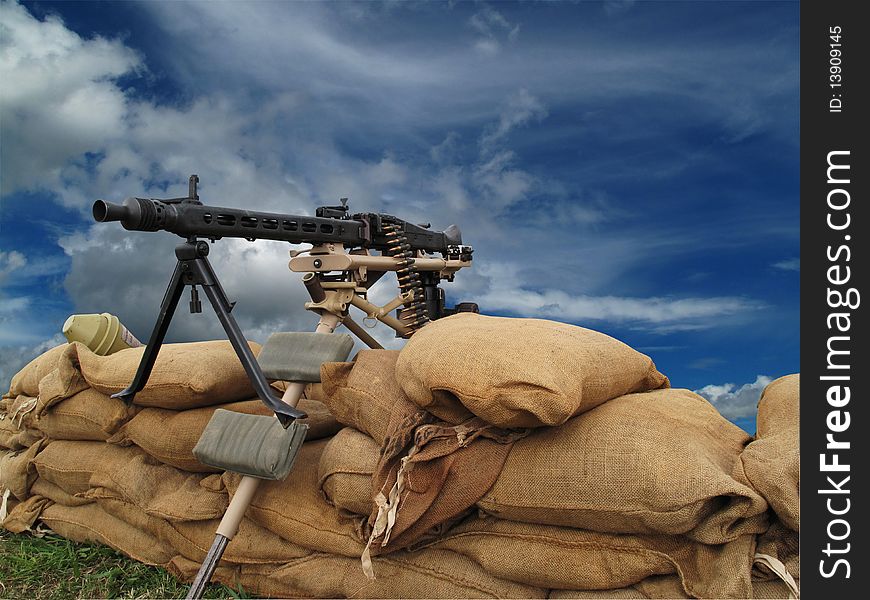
(193, 269)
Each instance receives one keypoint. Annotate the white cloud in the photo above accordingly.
(9, 262)
(520, 109)
(279, 153)
(493, 29)
(58, 95)
(791, 264)
(736, 402)
(506, 292)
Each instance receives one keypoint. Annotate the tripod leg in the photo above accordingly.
(167, 309)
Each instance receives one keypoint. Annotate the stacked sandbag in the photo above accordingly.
(489, 458)
(618, 470)
(518, 372)
(771, 464)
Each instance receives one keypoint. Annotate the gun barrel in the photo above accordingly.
(108, 211)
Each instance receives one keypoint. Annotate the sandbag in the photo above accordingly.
(782, 543)
(17, 471)
(345, 471)
(773, 590)
(427, 574)
(295, 510)
(90, 523)
(184, 375)
(46, 489)
(518, 372)
(24, 514)
(169, 435)
(26, 381)
(771, 464)
(653, 462)
(87, 415)
(666, 587)
(98, 470)
(568, 558)
(160, 490)
(192, 539)
(362, 393)
(14, 433)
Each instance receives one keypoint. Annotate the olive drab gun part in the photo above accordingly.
(349, 253)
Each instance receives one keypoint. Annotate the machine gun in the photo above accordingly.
(339, 269)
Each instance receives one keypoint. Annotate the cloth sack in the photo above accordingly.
(184, 375)
(771, 464)
(652, 462)
(362, 393)
(518, 372)
(345, 471)
(26, 381)
(569, 558)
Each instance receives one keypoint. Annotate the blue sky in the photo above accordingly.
(628, 167)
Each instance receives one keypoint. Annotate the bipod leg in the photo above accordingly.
(206, 277)
(167, 309)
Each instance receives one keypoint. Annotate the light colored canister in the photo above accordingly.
(102, 333)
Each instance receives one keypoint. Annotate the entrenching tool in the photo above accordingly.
(339, 270)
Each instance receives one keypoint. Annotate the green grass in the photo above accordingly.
(55, 568)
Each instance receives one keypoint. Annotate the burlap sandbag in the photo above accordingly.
(653, 462)
(26, 381)
(658, 586)
(771, 464)
(70, 464)
(192, 539)
(45, 488)
(184, 375)
(362, 393)
(429, 475)
(296, 510)
(17, 471)
(15, 434)
(170, 435)
(24, 514)
(429, 472)
(427, 574)
(97, 470)
(90, 523)
(88, 415)
(773, 590)
(518, 372)
(346, 468)
(568, 558)
(159, 490)
(782, 543)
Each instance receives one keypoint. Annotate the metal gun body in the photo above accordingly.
(190, 218)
